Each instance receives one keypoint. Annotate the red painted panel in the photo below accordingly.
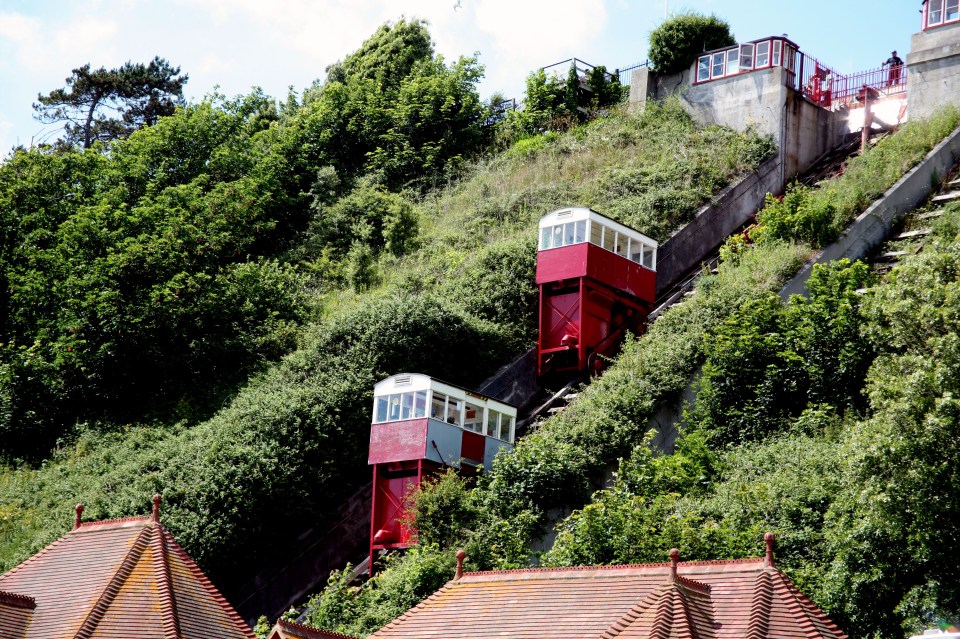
(391, 502)
(562, 263)
(589, 260)
(559, 316)
(398, 441)
(472, 446)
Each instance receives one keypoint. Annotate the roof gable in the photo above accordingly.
(120, 578)
(693, 600)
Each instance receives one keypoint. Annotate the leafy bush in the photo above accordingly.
(768, 362)
(677, 42)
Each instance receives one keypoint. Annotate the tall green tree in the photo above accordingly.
(102, 104)
(394, 109)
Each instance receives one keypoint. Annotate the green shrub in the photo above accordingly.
(677, 42)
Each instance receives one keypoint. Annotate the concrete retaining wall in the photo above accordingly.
(715, 221)
(515, 383)
(873, 226)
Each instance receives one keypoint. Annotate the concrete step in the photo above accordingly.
(892, 256)
(955, 182)
(556, 409)
(930, 215)
(946, 197)
(906, 235)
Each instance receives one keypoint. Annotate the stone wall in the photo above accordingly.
(933, 70)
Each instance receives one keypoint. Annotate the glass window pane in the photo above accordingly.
(493, 423)
(438, 406)
(506, 425)
(777, 50)
(608, 237)
(648, 253)
(717, 70)
(581, 232)
(394, 412)
(636, 252)
(473, 417)
(951, 12)
(596, 233)
(568, 233)
(622, 245)
(762, 54)
(420, 404)
(746, 56)
(454, 411)
(936, 8)
(406, 406)
(557, 240)
(733, 56)
(703, 68)
(545, 238)
(380, 410)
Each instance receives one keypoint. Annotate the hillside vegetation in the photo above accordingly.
(825, 420)
(202, 309)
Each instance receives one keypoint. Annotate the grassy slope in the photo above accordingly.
(291, 441)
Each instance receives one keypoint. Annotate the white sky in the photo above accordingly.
(275, 44)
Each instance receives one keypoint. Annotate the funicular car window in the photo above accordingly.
(473, 417)
(438, 406)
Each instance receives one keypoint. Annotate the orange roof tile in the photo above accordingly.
(119, 579)
(694, 600)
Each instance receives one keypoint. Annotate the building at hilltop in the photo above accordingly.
(745, 598)
(808, 107)
(119, 578)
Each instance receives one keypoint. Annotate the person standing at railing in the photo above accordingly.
(895, 64)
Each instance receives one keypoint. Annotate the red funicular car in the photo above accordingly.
(597, 279)
(420, 425)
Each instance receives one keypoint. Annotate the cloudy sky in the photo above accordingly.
(276, 44)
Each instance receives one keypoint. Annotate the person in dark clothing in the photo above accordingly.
(895, 64)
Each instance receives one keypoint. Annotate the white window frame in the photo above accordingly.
(718, 59)
(777, 57)
(939, 12)
(757, 54)
(703, 68)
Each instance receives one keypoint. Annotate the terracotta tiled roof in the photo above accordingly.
(693, 600)
(15, 614)
(118, 579)
(291, 630)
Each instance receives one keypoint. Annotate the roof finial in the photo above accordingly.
(461, 555)
(156, 508)
(76, 520)
(768, 560)
(674, 559)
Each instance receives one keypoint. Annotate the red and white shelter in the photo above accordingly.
(597, 279)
